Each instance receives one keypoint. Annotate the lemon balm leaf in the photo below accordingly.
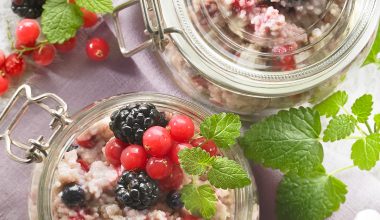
(195, 161)
(332, 104)
(339, 127)
(199, 200)
(313, 197)
(97, 6)
(365, 152)
(288, 141)
(222, 128)
(373, 54)
(362, 108)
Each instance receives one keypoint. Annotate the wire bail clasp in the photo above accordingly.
(36, 150)
(153, 23)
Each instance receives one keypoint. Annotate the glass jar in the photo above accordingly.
(256, 56)
(67, 128)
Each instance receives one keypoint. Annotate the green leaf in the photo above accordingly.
(372, 56)
(222, 128)
(339, 127)
(332, 104)
(376, 118)
(365, 152)
(362, 107)
(288, 141)
(315, 197)
(199, 200)
(97, 6)
(227, 174)
(195, 161)
(60, 20)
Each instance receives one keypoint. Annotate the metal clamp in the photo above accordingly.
(36, 150)
(153, 23)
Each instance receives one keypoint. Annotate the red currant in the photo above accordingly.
(20, 46)
(44, 56)
(173, 181)
(67, 45)
(113, 150)
(158, 168)
(2, 59)
(190, 217)
(4, 83)
(133, 158)
(97, 49)
(206, 145)
(181, 128)
(176, 149)
(15, 65)
(89, 18)
(157, 141)
(86, 143)
(27, 31)
(84, 165)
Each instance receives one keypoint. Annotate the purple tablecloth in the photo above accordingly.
(80, 82)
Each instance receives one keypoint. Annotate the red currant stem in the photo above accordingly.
(39, 46)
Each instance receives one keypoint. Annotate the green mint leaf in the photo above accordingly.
(315, 197)
(199, 200)
(376, 118)
(97, 6)
(365, 152)
(195, 161)
(339, 127)
(288, 141)
(222, 128)
(332, 104)
(362, 107)
(372, 56)
(227, 174)
(60, 20)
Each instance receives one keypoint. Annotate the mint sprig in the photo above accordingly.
(222, 128)
(221, 172)
(292, 142)
(61, 20)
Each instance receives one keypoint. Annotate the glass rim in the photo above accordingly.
(251, 82)
(98, 109)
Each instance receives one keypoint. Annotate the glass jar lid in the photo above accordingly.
(270, 47)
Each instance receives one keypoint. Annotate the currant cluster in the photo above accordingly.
(157, 156)
(42, 53)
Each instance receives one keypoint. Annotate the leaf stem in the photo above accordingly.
(368, 127)
(340, 170)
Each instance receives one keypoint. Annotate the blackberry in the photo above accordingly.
(173, 200)
(136, 190)
(73, 195)
(28, 8)
(130, 122)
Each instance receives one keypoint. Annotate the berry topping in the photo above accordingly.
(136, 190)
(4, 83)
(44, 56)
(97, 49)
(133, 158)
(28, 8)
(89, 18)
(130, 122)
(15, 65)
(285, 62)
(27, 32)
(113, 150)
(208, 146)
(157, 141)
(159, 168)
(173, 181)
(67, 45)
(176, 149)
(181, 128)
(73, 195)
(84, 165)
(173, 200)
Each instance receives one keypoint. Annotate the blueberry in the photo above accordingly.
(73, 195)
